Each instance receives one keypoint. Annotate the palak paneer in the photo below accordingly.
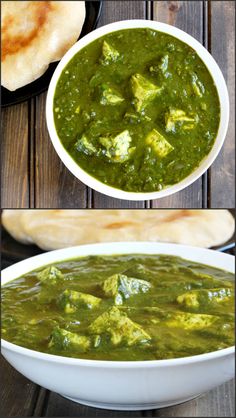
(137, 109)
(121, 308)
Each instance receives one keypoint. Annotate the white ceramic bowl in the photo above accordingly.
(218, 80)
(123, 385)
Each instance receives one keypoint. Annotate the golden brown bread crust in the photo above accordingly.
(13, 42)
(51, 229)
(34, 34)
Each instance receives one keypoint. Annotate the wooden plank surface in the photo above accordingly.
(58, 406)
(222, 47)
(219, 402)
(21, 397)
(14, 157)
(18, 394)
(55, 186)
(188, 16)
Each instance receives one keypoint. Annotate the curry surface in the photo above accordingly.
(159, 326)
(95, 99)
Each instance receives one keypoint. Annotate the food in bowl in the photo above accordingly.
(137, 109)
(122, 385)
(126, 307)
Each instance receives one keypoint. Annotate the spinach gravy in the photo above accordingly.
(121, 307)
(137, 109)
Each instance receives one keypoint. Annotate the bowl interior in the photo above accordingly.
(219, 83)
(204, 256)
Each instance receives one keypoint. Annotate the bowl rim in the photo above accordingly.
(106, 249)
(116, 364)
(216, 75)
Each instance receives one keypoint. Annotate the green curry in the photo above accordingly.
(137, 109)
(121, 307)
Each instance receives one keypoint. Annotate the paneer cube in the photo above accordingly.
(84, 145)
(50, 275)
(122, 287)
(190, 321)
(177, 117)
(197, 85)
(144, 91)
(71, 300)
(196, 298)
(158, 143)
(110, 96)
(109, 53)
(119, 328)
(117, 148)
(61, 339)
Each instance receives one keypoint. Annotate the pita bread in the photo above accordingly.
(34, 34)
(52, 229)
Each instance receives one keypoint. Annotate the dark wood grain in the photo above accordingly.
(41, 403)
(20, 397)
(55, 187)
(57, 406)
(188, 16)
(14, 157)
(18, 394)
(219, 402)
(222, 45)
(31, 151)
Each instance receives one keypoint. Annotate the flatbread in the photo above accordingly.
(52, 229)
(34, 34)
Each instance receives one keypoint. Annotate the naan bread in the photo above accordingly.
(52, 229)
(34, 34)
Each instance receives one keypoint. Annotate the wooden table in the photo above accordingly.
(20, 397)
(34, 177)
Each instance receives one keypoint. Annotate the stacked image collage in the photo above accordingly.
(117, 208)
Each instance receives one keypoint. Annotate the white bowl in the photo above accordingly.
(218, 80)
(123, 385)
